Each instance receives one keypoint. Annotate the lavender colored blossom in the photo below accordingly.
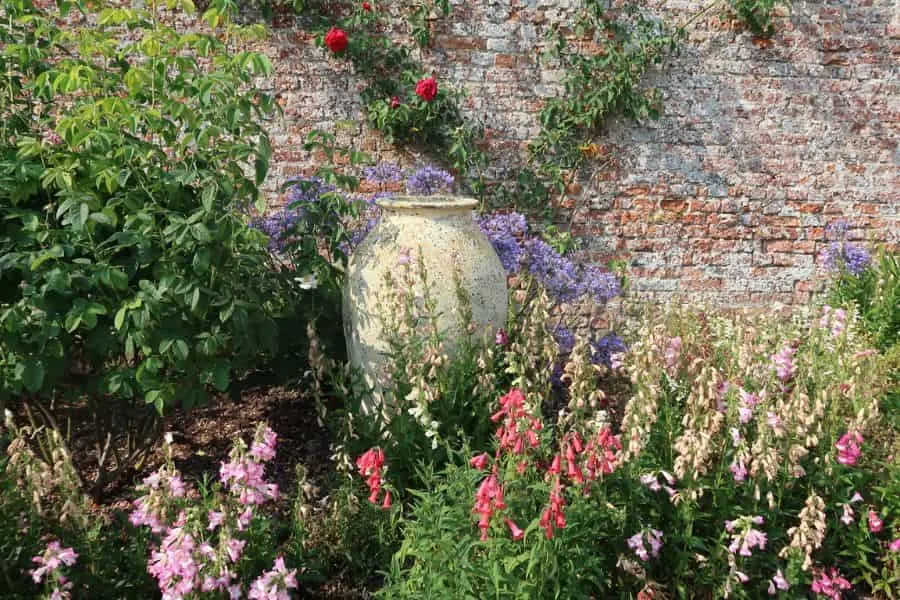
(565, 338)
(506, 232)
(284, 223)
(558, 274)
(383, 173)
(840, 254)
(429, 180)
(603, 350)
(565, 280)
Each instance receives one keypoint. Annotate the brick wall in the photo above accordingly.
(725, 198)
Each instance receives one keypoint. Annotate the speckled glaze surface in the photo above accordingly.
(442, 229)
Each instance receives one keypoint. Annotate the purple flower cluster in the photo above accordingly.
(383, 173)
(565, 280)
(565, 338)
(841, 255)
(429, 180)
(604, 349)
(281, 225)
(506, 232)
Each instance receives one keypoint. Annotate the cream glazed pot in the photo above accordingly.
(442, 229)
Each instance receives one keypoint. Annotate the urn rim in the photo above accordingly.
(436, 202)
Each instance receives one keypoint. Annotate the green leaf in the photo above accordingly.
(119, 319)
(221, 376)
(33, 375)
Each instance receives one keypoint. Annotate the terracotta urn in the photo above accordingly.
(442, 233)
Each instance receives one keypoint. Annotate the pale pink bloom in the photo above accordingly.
(778, 582)
(894, 546)
(742, 577)
(848, 517)
(745, 414)
(738, 470)
(784, 364)
(857, 497)
(735, 436)
(673, 351)
(216, 518)
(54, 556)
(616, 360)
(875, 522)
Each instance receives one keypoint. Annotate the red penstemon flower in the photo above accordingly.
(367, 7)
(370, 465)
(336, 40)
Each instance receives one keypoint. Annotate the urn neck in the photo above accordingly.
(437, 204)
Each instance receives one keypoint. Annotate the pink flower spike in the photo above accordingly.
(479, 462)
(517, 533)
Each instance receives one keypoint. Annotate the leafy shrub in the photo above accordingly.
(873, 290)
(127, 272)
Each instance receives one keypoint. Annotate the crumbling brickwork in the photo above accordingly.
(725, 198)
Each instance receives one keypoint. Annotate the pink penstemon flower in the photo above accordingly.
(652, 538)
(895, 545)
(830, 584)
(875, 522)
(480, 462)
(778, 582)
(744, 537)
(515, 530)
(50, 561)
(553, 517)
(488, 499)
(848, 447)
(274, 584)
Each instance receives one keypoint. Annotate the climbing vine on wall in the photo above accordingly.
(605, 54)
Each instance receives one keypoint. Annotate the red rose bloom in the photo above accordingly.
(367, 7)
(336, 40)
(426, 89)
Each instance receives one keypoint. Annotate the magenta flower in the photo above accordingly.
(830, 584)
(848, 447)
